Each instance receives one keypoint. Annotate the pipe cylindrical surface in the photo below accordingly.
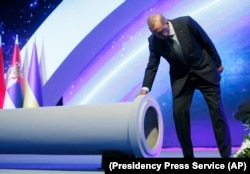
(130, 127)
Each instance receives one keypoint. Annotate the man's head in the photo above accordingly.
(158, 25)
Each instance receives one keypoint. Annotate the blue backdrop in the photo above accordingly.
(108, 64)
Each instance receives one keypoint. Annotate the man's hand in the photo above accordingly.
(220, 69)
(143, 92)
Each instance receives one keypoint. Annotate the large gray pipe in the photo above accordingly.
(134, 128)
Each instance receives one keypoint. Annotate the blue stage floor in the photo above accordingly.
(74, 164)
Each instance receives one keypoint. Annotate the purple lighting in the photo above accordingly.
(227, 28)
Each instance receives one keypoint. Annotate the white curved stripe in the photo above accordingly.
(108, 77)
(111, 73)
(67, 25)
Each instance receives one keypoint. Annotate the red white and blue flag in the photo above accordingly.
(14, 92)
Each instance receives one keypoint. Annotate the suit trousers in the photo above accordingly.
(181, 112)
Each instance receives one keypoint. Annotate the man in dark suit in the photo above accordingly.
(194, 64)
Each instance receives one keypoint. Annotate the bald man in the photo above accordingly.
(194, 65)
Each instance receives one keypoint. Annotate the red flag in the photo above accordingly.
(2, 80)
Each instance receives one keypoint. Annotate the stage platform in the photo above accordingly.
(74, 164)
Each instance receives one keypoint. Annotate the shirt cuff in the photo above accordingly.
(145, 88)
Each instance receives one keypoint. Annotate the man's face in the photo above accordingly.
(161, 30)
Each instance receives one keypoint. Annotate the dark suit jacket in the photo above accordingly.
(201, 56)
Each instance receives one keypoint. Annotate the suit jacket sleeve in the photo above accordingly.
(205, 41)
(152, 66)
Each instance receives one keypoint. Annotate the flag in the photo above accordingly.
(25, 68)
(14, 94)
(2, 79)
(33, 89)
(43, 65)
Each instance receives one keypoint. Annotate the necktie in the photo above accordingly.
(176, 47)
